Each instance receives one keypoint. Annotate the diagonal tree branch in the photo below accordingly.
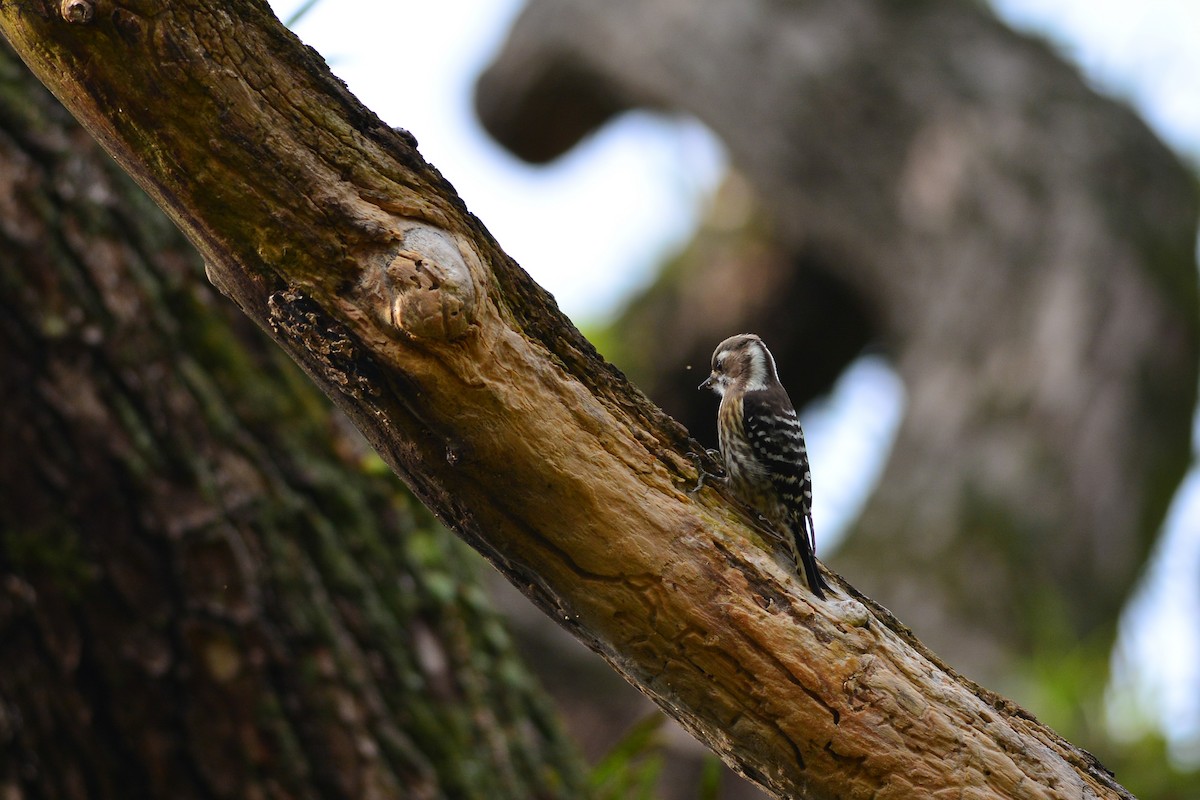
(331, 231)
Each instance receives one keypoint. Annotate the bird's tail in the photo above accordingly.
(803, 547)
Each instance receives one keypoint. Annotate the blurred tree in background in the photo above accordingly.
(919, 181)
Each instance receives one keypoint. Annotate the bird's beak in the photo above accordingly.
(707, 384)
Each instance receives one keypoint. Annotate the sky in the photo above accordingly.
(643, 181)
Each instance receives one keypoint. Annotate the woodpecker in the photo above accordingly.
(762, 446)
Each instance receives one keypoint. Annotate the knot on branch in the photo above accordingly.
(78, 11)
(427, 287)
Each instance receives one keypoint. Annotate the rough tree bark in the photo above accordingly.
(330, 230)
(204, 592)
(952, 193)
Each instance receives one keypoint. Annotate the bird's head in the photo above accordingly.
(742, 363)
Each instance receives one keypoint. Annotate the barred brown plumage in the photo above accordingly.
(763, 446)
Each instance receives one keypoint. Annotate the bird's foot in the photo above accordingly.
(705, 475)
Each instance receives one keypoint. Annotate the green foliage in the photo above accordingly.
(1139, 768)
(632, 768)
(52, 553)
(1064, 677)
(1064, 683)
(605, 337)
(710, 778)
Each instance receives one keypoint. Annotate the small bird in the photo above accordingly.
(763, 446)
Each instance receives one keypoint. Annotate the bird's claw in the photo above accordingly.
(703, 473)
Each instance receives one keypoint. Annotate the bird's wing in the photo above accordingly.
(774, 434)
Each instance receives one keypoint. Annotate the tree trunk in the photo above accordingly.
(329, 229)
(206, 588)
(948, 192)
